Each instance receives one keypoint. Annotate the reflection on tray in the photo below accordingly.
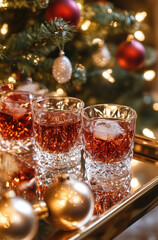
(142, 198)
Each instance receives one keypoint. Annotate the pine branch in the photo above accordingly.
(17, 4)
(2, 56)
(55, 33)
(112, 19)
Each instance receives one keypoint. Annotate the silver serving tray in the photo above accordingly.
(142, 198)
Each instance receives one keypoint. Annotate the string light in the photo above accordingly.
(148, 133)
(107, 75)
(155, 106)
(140, 16)
(139, 35)
(4, 29)
(3, 3)
(149, 75)
(60, 92)
(12, 79)
(79, 5)
(97, 41)
(86, 25)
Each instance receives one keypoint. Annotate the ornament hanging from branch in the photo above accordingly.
(62, 68)
(130, 54)
(66, 9)
(102, 56)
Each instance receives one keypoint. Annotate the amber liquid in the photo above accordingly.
(104, 200)
(15, 118)
(112, 148)
(57, 132)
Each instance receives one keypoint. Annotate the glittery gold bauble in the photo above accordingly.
(62, 69)
(70, 204)
(17, 218)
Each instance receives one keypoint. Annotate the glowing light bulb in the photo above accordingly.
(97, 41)
(140, 16)
(79, 5)
(3, 3)
(149, 75)
(60, 92)
(155, 106)
(11, 80)
(139, 35)
(107, 75)
(4, 29)
(86, 25)
(148, 133)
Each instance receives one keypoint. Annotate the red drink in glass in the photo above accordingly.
(108, 140)
(57, 134)
(16, 121)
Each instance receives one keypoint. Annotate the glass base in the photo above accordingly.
(50, 166)
(110, 192)
(99, 171)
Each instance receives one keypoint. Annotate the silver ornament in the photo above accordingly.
(70, 204)
(102, 57)
(62, 69)
(17, 218)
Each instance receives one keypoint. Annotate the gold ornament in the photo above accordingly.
(17, 218)
(70, 204)
(62, 68)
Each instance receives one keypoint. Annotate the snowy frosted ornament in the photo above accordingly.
(102, 57)
(62, 68)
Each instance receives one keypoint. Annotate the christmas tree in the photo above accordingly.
(87, 49)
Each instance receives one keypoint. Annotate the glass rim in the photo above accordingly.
(134, 114)
(38, 99)
(6, 94)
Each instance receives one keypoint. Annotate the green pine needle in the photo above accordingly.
(56, 32)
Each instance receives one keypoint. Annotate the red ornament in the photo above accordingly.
(66, 9)
(130, 54)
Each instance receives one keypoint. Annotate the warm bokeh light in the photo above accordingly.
(140, 16)
(60, 92)
(135, 183)
(97, 41)
(148, 133)
(12, 80)
(149, 75)
(107, 75)
(4, 29)
(155, 106)
(3, 3)
(86, 25)
(139, 35)
(79, 5)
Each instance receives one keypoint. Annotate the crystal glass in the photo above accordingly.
(57, 134)
(6, 87)
(108, 141)
(16, 122)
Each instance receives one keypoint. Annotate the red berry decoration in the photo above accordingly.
(66, 9)
(130, 54)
